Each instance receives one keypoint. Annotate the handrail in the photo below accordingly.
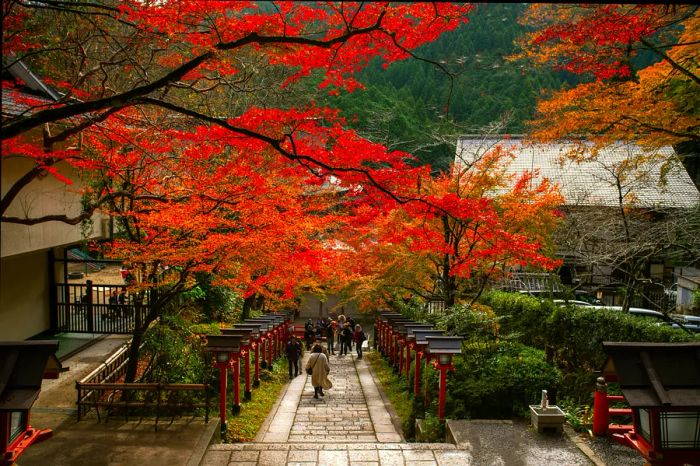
(119, 395)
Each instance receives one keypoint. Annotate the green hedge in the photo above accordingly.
(572, 337)
(521, 315)
(576, 334)
(498, 380)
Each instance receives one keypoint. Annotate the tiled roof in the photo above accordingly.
(12, 107)
(591, 183)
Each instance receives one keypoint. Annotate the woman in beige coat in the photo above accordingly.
(318, 363)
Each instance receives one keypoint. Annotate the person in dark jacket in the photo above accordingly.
(330, 336)
(293, 351)
(309, 336)
(359, 337)
(346, 339)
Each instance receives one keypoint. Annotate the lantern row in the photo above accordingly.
(396, 336)
(262, 336)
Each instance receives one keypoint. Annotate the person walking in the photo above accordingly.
(317, 366)
(309, 336)
(341, 324)
(293, 351)
(346, 339)
(359, 337)
(330, 336)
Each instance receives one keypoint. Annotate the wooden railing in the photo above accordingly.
(88, 308)
(143, 399)
(99, 389)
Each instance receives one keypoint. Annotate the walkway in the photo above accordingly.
(351, 426)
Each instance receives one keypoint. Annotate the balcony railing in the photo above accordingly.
(88, 308)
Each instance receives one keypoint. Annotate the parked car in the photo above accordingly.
(580, 296)
(691, 323)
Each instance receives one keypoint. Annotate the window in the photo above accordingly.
(17, 423)
(680, 429)
(643, 424)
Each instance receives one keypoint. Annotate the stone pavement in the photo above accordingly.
(114, 442)
(351, 425)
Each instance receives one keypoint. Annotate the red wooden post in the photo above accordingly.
(272, 339)
(443, 390)
(247, 394)
(222, 398)
(236, 363)
(256, 378)
(408, 359)
(401, 345)
(416, 375)
(600, 408)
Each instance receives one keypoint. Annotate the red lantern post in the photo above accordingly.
(416, 375)
(442, 348)
(236, 374)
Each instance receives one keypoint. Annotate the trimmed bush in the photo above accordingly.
(521, 315)
(576, 334)
(498, 380)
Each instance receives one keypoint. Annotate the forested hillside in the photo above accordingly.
(408, 104)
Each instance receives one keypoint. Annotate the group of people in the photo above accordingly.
(342, 330)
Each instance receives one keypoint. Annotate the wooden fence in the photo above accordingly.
(144, 399)
(99, 390)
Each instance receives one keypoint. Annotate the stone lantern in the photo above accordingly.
(399, 341)
(246, 342)
(225, 349)
(259, 333)
(419, 338)
(661, 383)
(23, 365)
(392, 339)
(270, 339)
(410, 338)
(442, 348)
(380, 330)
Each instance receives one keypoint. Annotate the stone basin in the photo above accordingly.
(551, 417)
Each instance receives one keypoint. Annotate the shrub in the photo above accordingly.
(498, 380)
(522, 315)
(477, 322)
(576, 334)
(174, 353)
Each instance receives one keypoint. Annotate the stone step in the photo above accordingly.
(278, 454)
(317, 446)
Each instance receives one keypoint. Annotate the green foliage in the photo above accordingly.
(434, 430)
(498, 380)
(218, 303)
(696, 301)
(578, 416)
(522, 315)
(175, 353)
(475, 322)
(577, 334)
(412, 308)
(406, 104)
(573, 336)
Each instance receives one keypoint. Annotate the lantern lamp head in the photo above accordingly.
(222, 357)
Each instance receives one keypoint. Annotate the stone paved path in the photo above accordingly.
(350, 426)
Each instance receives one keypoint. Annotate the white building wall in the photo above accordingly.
(41, 197)
(24, 295)
(312, 307)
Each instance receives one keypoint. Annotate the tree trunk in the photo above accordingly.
(247, 306)
(133, 362)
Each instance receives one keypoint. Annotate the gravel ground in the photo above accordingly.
(611, 452)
